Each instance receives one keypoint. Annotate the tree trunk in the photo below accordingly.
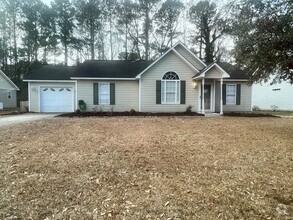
(66, 53)
(45, 54)
(14, 39)
(147, 27)
(111, 40)
(126, 34)
(92, 43)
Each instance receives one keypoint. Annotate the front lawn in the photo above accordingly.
(147, 168)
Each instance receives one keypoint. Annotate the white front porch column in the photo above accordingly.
(202, 96)
(221, 104)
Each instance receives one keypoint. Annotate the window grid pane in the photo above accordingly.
(230, 94)
(104, 93)
(170, 91)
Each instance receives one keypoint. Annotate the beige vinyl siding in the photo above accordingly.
(126, 95)
(34, 99)
(170, 62)
(214, 72)
(8, 103)
(183, 52)
(245, 98)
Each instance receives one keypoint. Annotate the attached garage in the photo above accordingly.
(50, 89)
(56, 99)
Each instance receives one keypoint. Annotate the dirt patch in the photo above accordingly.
(147, 168)
(6, 112)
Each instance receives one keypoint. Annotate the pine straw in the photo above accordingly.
(147, 168)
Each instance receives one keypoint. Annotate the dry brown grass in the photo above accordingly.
(147, 168)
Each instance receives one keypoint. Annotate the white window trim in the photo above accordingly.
(177, 92)
(234, 103)
(104, 83)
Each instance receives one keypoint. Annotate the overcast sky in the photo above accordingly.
(47, 1)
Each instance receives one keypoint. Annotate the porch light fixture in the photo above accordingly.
(194, 84)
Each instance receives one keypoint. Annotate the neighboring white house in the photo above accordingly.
(278, 96)
(7, 92)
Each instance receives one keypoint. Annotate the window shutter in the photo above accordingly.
(96, 93)
(182, 92)
(112, 93)
(238, 94)
(158, 92)
(224, 94)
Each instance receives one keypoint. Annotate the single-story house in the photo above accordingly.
(277, 96)
(8, 94)
(171, 83)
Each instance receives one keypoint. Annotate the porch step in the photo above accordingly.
(212, 115)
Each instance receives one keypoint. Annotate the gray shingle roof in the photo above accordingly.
(234, 71)
(110, 69)
(50, 72)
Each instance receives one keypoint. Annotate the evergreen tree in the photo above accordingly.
(65, 24)
(263, 33)
(210, 25)
(166, 20)
(89, 14)
(124, 20)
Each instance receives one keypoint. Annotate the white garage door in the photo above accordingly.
(54, 99)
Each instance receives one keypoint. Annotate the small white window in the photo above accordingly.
(9, 95)
(104, 93)
(231, 94)
(170, 88)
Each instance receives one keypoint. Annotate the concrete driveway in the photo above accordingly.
(17, 119)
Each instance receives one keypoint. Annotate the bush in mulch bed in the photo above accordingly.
(249, 114)
(113, 114)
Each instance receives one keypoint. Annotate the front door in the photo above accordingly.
(207, 97)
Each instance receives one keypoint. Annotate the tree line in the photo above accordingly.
(31, 32)
(96, 29)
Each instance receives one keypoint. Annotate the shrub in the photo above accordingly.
(132, 112)
(81, 105)
(255, 108)
(95, 109)
(274, 107)
(77, 111)
(188, 109)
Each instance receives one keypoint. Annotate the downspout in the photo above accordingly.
(29, 96)
(139, 94)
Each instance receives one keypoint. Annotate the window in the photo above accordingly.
(170, 88)
(104, 93)
(231, 94)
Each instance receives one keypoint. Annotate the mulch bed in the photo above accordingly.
(119, 114)
(158, 114)
(249, 114)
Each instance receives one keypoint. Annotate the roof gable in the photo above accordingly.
(190, 56)
(167, 52)
(227, 69)
(204, 72)
(6, 83)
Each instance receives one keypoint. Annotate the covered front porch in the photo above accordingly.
(209, 83)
